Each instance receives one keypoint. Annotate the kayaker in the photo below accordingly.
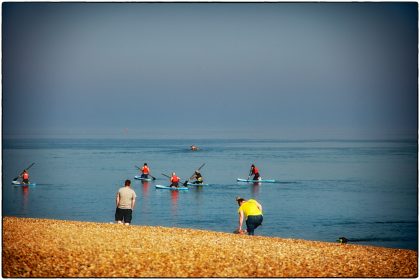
(254, 171)
(145, 171)
(250, 210)
(174, 180)
(25, 176)
(198, 178)
(125, 200)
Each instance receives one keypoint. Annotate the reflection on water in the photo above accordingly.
(174, 200)
(146, 186)
(198, 191)
(144, 193)
(255, 188)
(25, 198)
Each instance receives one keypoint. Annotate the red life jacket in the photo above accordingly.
(255, 170)
(145, 170)
(175, 179)
(25, 176)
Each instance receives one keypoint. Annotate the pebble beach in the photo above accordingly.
(56, 248)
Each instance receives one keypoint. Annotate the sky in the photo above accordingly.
(211, 70)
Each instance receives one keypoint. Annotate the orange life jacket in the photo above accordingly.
(175, 179)
(145, 170)
(25, 176)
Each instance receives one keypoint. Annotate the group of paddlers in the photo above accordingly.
(249, 211)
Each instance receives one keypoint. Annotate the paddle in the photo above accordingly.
(186, 182)
(166, 175)
(24, 169)
(154, 178)
(250, 172)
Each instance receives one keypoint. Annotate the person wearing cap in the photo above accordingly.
(251, 211)
(125, 200)
(198, 178)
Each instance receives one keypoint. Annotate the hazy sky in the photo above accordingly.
(284, 70)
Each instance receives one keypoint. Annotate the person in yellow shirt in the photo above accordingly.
(250, 210)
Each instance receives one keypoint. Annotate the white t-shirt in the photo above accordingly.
(126, 196)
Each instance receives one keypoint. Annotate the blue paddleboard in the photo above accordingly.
(256, 181)
(137, 177)
(192, 184)
(17, 183)
(171, 188)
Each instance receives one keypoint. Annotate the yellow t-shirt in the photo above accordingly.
(250, 208)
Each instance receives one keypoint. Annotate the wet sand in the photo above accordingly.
(52, 248)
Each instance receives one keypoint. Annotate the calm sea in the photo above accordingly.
(365, 191)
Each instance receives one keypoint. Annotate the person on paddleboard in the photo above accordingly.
(25, 176)
(198, 178)
(174, 180)
(250, 210)
(254, 171)
(125, 200)
(145, 171)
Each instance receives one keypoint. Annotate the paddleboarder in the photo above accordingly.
(254, 171)
(174, 180)
(250, 210)
(125, 200)
(25, 176)
(145, 171)
(198, 178)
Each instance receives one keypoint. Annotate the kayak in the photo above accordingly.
(171, 188)
(17, 183)
(192, 184)
(142, 179)
(256, 181)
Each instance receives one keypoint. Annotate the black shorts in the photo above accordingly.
(252, 222)
(123, 215)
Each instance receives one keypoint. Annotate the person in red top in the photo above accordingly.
(254, 171)
(25, 176)
(145, 171)
(174, 180)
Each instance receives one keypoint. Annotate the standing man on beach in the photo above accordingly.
(125, 200)
(250, 210)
